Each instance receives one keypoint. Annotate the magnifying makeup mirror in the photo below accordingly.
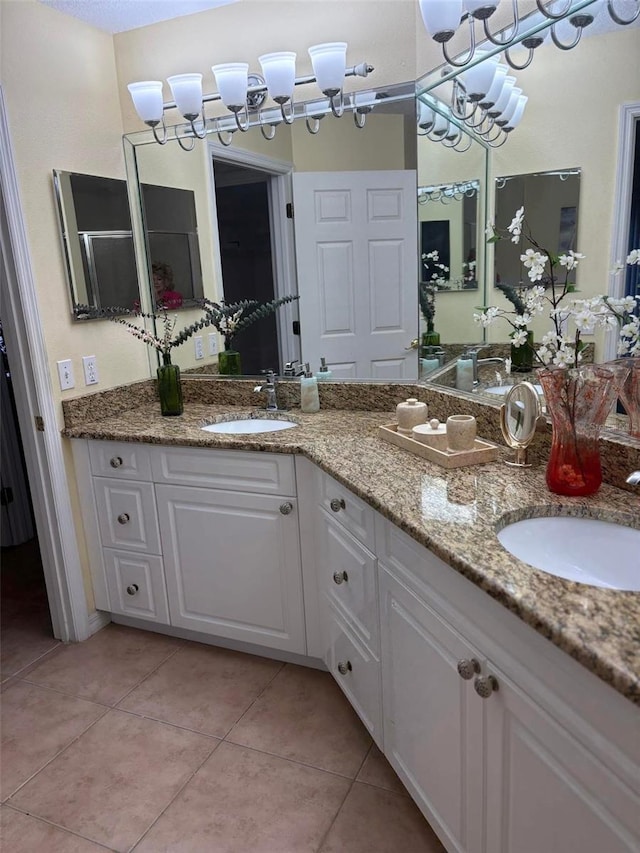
(518, 418)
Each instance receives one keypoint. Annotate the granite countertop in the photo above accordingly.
(455, 513)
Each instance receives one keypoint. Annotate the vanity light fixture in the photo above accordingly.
(243, 93)
(442, 19)
(446, 193)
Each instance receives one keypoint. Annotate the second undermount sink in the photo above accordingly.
(247, 426)
(589, 551)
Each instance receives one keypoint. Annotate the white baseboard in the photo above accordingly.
(97, 620)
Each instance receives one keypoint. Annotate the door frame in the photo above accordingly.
(44, 453)
(628, 118)
(279, 191)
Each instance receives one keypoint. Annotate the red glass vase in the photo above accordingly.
(578, 402)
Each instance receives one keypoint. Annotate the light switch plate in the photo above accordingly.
(65, 374)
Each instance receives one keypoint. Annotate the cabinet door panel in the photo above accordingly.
(124, 460)
(136, 585)
(127, 515)
(232, 564)
(545, 791)
(348, 509)
(430, 736)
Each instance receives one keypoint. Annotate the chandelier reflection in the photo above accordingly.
(244, 95)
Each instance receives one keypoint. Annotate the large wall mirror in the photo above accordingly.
(353, 250)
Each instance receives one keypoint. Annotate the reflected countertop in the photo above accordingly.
(455, 513)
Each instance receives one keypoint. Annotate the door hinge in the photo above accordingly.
(289, 210)
(295, 327)
(6, 495)
(39, 423)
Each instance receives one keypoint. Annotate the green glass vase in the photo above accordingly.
(522, 357)
(430, 338)
(229, 363)
(169, 388)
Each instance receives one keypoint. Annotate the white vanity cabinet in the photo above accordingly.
(200, 539)
(506, 744)
(346, 578)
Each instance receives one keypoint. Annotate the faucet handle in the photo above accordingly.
(290, 368)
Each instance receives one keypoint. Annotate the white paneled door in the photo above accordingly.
(356, 245)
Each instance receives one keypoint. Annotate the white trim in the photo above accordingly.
(98, 620)
(628, 116)
(32, 386)
(282, 240)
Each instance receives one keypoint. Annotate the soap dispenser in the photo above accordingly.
(324, 373)
(309, 397)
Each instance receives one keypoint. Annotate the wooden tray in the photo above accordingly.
(483, 451)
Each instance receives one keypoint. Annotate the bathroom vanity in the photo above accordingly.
(511, 717)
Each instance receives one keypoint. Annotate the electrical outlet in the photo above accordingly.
(197, 345)
(213, 343)
(90, 365)
(65, 374)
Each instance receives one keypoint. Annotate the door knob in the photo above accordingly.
(468, 668)
(115, 462)
(344, 667)
(337, 504)
(413, 345)
(286, 508)
(485, 685)
(123, 518)
(340, 577)
(132, 588)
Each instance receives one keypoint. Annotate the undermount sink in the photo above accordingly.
(249, 425)
(597, 553)
(501, 390)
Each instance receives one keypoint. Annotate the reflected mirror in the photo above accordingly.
(518, 418)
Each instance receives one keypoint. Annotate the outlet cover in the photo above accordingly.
(65, 374)
(197, 345)
(90, 366)
(213, 343)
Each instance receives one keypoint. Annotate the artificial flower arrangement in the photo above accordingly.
(552, 271)
(427, 292)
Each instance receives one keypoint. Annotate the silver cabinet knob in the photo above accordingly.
(115, 462)
(344, 667)
(132, 589)
(468, 668)
(340, 577)
(485, 685)
(286, 508)
(337, 504)
(123, 518)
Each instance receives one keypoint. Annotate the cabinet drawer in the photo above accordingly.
(136, 585)
(348, 577)
(350, 511)
(127, 515)
(124, 460)
(357, 673)
(240, 471)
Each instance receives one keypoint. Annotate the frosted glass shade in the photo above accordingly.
(187, 93)
(505, 116)
(232, 82)
(477, 80)
(516, 118)
(441, 16)
(496, 87)
(279, 71)
(505, 94)
(329, 63)
(147, 99)
(426, 116)
(441, 126)
(472, 6)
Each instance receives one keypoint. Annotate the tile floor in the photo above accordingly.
(137, 741)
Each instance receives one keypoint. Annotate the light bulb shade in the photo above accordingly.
(505, 94)
(488, 7)
(187, 93)
(477, 80)
(505, 116)
(147, 99)
(516, 118)
(279, 71)
(496, 87)
(232, 82)
(441, 16)
(329, 63)
(426, 116)
(441, 126)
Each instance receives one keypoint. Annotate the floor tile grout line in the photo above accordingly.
(177, 726)
(148, 675)
(16, 674)
(173, 799)
(292, 760)
(58, 754)
(60, 692)
(62, 828)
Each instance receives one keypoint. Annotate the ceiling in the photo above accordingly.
(117, 16)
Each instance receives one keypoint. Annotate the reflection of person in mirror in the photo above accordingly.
(165, 295)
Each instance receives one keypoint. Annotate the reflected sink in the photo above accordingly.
(248, 426)
(501, 390)
(598, 553)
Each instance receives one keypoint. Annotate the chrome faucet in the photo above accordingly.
(270, 386)
(634, 478)
(473, 355)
